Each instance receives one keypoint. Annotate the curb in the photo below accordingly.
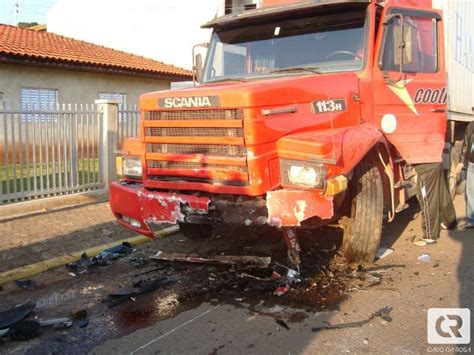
(32, 207)
(33, 269)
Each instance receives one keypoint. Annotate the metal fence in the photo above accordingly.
(59, 149)
(128, 122)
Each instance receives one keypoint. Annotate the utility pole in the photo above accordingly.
(17, 9)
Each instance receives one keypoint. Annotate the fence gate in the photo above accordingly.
(49, 151)
(61, 149)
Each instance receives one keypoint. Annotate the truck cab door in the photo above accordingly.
(410, 84)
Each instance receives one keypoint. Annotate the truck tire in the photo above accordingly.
(362, 235)
(195, 231)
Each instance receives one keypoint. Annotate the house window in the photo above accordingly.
(38, 99)
(35, 98)
(120, 98)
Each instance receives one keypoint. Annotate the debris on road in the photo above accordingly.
(57, 323)
(82, 266)
(280, 291)
(83, 323)
(372, 279)
(275, 276)
(79, 313)
(24, 330)
(139, 262)
(292, 277)
(282, 323)
(383, 313)
(426, 258)
(26, 284)
(383, 252)
(15, 314)
(141, 288)
(240, 261)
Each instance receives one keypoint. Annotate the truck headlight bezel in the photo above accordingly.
(303, 173)
(132, 167)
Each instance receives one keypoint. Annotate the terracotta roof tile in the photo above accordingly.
(49, 46)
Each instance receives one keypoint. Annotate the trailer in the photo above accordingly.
(459, 52)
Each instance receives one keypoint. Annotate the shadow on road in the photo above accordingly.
(465, 237)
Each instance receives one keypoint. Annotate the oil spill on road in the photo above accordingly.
(325, 279)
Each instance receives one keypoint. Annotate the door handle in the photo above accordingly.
(438, 110)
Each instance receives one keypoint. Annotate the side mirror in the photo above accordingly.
(198, 67)
(197, 63)
(402, 42)
(402, 45)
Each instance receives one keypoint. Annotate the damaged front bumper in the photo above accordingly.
(148, 208)
(132, 201)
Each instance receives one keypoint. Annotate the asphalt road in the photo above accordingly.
(211, 310)
(408, 285)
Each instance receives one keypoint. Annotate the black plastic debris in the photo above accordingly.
(383, 313)
(26, 284)
(15, 314)
(141, 288)
(83, 323)
(282, 323)
(24, 330)
(115, 252)
(82, 266)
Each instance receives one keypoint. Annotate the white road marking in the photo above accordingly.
(173, 330)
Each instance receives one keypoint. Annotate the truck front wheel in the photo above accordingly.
(195, 231)
(362, 235)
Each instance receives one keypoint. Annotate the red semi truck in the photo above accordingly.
(307, 113)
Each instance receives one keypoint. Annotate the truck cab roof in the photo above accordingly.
(259, 14)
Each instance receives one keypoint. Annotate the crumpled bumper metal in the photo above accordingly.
(150, 207)
(281, 208)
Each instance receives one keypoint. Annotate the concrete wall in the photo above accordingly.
(74, 86)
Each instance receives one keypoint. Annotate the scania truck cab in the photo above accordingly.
(307, 113)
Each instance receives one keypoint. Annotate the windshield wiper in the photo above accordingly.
(296, 69)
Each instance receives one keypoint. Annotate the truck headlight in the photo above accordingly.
(132, 167)
(303, 174)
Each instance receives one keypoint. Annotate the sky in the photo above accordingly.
(28, 11)
(164, 30)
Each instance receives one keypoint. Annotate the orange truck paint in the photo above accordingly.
(206, 146)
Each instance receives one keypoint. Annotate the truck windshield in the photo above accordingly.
(317, 44)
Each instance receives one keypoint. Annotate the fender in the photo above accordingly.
(340, 149)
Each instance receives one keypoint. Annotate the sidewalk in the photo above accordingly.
(31, 239)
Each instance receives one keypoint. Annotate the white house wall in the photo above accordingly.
(73, 86)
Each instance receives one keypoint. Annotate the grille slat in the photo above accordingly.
(219, 114)
(194, 132)
(160, 164)
(234, 151)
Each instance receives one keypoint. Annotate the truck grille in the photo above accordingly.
(221, 144)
